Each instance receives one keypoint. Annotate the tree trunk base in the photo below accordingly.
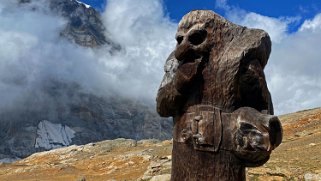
(191, 165)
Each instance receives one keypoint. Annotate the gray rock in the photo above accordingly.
(312, 177)
(158, 169)
(165, 177)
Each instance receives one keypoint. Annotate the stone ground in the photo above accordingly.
(297, 158)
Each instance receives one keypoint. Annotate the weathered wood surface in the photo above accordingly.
(215, 89)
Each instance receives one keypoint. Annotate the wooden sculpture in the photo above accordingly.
(215, 89)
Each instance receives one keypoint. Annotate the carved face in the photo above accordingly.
(191, 44)
(194, 36)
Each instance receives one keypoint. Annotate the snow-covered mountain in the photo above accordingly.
(68, 116)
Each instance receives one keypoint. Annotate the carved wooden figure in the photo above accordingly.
(214, 88)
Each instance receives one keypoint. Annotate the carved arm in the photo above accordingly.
(174, 88)
(253, 90)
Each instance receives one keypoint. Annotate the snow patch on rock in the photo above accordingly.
(52, 136)
(86, 5)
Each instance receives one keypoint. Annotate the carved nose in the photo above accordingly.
(181, 50)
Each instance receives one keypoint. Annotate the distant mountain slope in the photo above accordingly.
(297, 158)
(84, 117)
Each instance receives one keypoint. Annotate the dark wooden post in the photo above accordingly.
(214, 88)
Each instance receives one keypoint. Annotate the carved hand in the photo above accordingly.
(186, 74)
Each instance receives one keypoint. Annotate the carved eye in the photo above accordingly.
(179, 39)
(197, 37)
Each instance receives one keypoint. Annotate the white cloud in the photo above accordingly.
(312, 25)
(293, 71)
(276, 27)
(148, 37)
(32, 53)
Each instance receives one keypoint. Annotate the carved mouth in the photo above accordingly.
(192, 57)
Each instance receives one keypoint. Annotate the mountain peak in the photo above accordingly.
(84, 25)
(86, 5)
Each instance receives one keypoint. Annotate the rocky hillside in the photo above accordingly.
(63, 114)
(297, 158)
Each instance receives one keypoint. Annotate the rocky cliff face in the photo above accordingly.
(69, 116)
(84, 24)
(50, 136)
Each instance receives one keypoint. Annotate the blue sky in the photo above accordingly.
(301, 9)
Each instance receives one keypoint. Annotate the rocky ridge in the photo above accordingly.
(84, 25)
(297, 158)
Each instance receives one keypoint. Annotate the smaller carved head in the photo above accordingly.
(256, 135)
